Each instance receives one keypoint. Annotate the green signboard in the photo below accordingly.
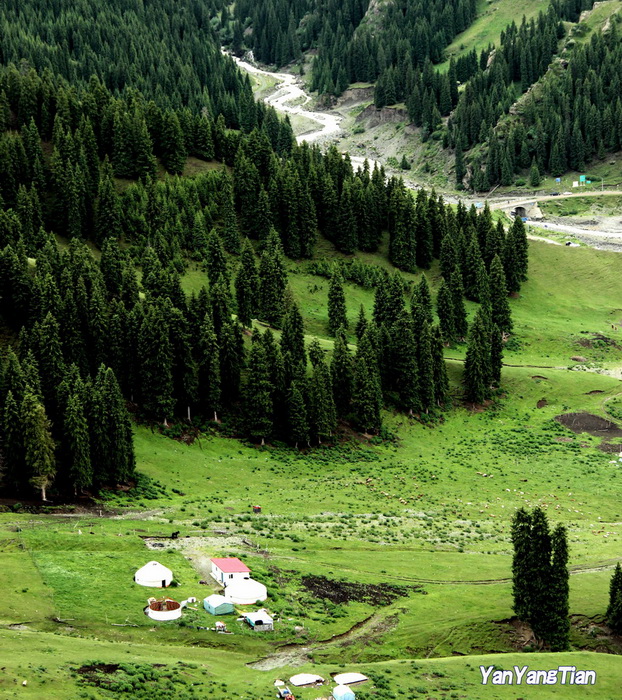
(581, 178)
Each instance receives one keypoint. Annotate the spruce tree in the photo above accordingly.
(215, 259)
(476, 377)
(172, 145)
(423, 298)
(559, 624)
(293, 340)
(439, 368)
(39, 460)
(614, 609)
(534, 174)
(457, 294)
(500, 307)
(337, 316)
(247, 285)
(445, 312)
(366, 396)
(209, 389)
(361, 323)
(76, 445)
(496, 354)
(298, 423)
(341, 372)
(521, 574)
(156, 378)
(404, 365)
(272, 281)
(539, 572)
(12, 444)
(321, 405)
(258, 408)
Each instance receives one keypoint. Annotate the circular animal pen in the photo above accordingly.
(163, 609)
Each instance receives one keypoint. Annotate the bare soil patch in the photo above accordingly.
(589, 423)
(346, 591)
(95, 673)
(539, 376)
(542, 403)
(594, 391)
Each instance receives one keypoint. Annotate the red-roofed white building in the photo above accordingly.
(228, 570)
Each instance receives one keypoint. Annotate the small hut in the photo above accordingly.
(342, 692)
(217, 605)
(154, 575)
(163, 609)
(260, 621)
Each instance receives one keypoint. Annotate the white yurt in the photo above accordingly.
(154, 575)
(246, 592)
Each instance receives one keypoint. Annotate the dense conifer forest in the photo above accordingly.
(90, 341)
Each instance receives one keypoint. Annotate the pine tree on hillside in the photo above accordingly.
(298, 423)
(209, 381)
(215, 258)
(500, 307)
(476, 377)
(439, 368)
(521, 574)
(496, 355)
(293, 339)
(337, 316)
(457, 297)
(445, 312)
(614, 609)
(321, 405)
(361, 323)
(76, 444)
(247, 285)
(423, 298)
(156, 353)
(39, 460)
(12, 443)
(258, 408)
(341, 368)
(559, 623)
(405, 370)
(272, 281)
(366, 396)
(172, 146)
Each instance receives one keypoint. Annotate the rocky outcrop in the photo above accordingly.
(371, 116)
(353, 96)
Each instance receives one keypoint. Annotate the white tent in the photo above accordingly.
(350, 678)
(246, 592)
(342, 692)
(303, 679)
(153, 575)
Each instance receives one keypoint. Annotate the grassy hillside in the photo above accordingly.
(427, 514)
(493, 16)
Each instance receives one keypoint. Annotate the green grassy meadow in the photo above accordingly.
(427, 513)
(493, 16)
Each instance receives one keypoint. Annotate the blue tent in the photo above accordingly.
(217, 605)
(342, 692)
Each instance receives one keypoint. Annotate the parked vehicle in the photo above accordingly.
(285, 694)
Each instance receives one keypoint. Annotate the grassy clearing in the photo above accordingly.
(597, 18)
(607, 205)
(493, 16)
